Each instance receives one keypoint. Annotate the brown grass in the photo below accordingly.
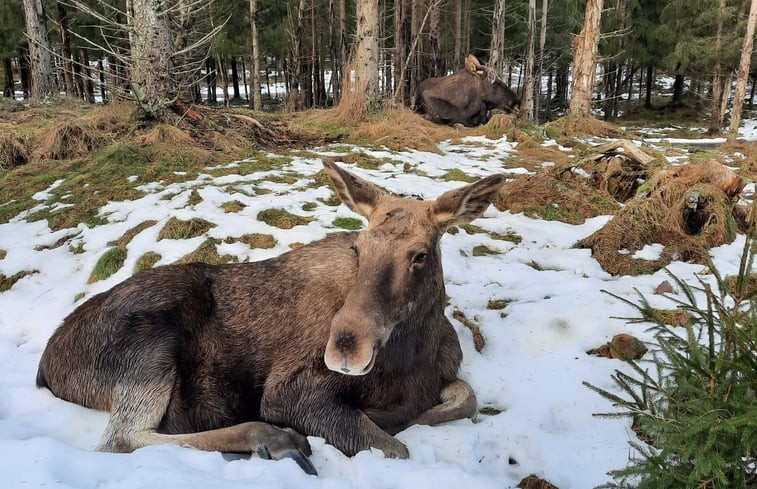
(478, 338)
(124, 240)
(663, 217)
(67, 140)
(7, 282)
(113, 120)
(178, 229)
(568, 126)
(555, 195)
(207, 253)
(14, 149)
(255, 240)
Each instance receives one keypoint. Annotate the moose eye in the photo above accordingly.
(419, 258)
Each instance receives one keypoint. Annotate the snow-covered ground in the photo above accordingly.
(530, 369)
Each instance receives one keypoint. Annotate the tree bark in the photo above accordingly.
(42, 78)
(24, 70)
(585, 47)
(152, 84)
(435, 54)
(716, 121)
(743, 73)
(497, 45)
(255, 101)
(65, 48)
(540, 70)
(89, 86)
(335, 45)
(457, 59)
(234, 78)
(366, 61)
(527, 104)
(8, 89)
(650, 84)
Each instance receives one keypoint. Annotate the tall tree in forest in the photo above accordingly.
(43, 80)
(527, 100)
(497, 45)
(366, 54)
(743, 73)
(11, 36)
(457, 56)
(718, 80)
(65, 48)
(542, 54)
(255, 101)
(585, 47)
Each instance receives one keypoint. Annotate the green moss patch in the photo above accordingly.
(282, 219)
(178, 229)
(350, 223)
(146, 261)
(510, 236)
(7, 282)
(457, 175)
(482, 250)
(255, 240)
(109, 263)
(309, 206)
(129, 235)
(207, 253)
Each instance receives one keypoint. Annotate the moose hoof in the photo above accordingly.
(279, 443)
(395, 450)
(300, 458)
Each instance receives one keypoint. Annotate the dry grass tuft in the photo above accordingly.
(147, 260)
(207, 253)
(554, 195)
(165, 133)
(232, 206)
(124, 240)
(178, 229)
(14, 149)
(282, 219)
(568, 126)
(255, 240)
(65, 141)
(498, 126)
(7, 282)
(112, 119)
(685, 211)
(399, 128)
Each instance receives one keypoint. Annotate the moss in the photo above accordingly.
(232, 206)
(309, 206)
(453, 230)
(482, 250)
(109, 263)
(7, 282)
(457, 175)
(178, 229)
(282, 219)
(255, 240)
(510, 236)
(471, 229)
(124, 240)
(207, 253)
(552, 213)
(79, 297)
(349, 223)
(146, 261)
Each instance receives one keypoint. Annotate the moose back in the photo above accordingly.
(344, 338)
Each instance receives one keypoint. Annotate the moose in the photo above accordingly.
(344, 338)
(466, 96)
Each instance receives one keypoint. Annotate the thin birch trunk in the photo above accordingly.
(743, 73)
(585, 48)
(255, 101)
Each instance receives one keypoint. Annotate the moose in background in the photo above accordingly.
(466, 96)
(344, 338)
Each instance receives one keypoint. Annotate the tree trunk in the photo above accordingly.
(89, 86)
(527, 101)
(540, 70)
(255, 102)
(650, 85)
(212, 77)
(366, 61)
(435, 54)
(716, 121)
(101, 73)
(235, 78)
(334, 45)
(497, 45)
(42, 79)
(751, 93)
(585, 47)
(295, 100)
(457, 58)
(65, 48)
(8, 89)
(743, 73)
(24, 71)
(153, 86)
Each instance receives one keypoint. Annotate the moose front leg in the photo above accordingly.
(310, 410)
(458, 402)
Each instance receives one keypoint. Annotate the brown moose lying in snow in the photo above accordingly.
(466, 96)
(344, 338)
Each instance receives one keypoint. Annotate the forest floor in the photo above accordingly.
(87, 199)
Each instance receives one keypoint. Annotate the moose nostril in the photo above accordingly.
(345, 342)
(345, 370)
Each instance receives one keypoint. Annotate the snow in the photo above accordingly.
(531, 368)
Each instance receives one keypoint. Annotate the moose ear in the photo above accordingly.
(467, 203)
(491, 75)
(356, 193)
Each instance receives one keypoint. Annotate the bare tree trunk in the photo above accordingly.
(42, 79)
(527, 104)
(366, 60)
(24, 70)
(255, 101)
(540, 70)
(152, 84)
(295, 100)
(743, 73)
(235, 78)
(89, 87)
(435, 54)
(212, 77)
(221, 63)
(716, 122)
(8, 89)
(335, 44)
(497, 45)
(751, 93)
(585, 47)
(101, 72)
(458, 49)
(65, 48)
